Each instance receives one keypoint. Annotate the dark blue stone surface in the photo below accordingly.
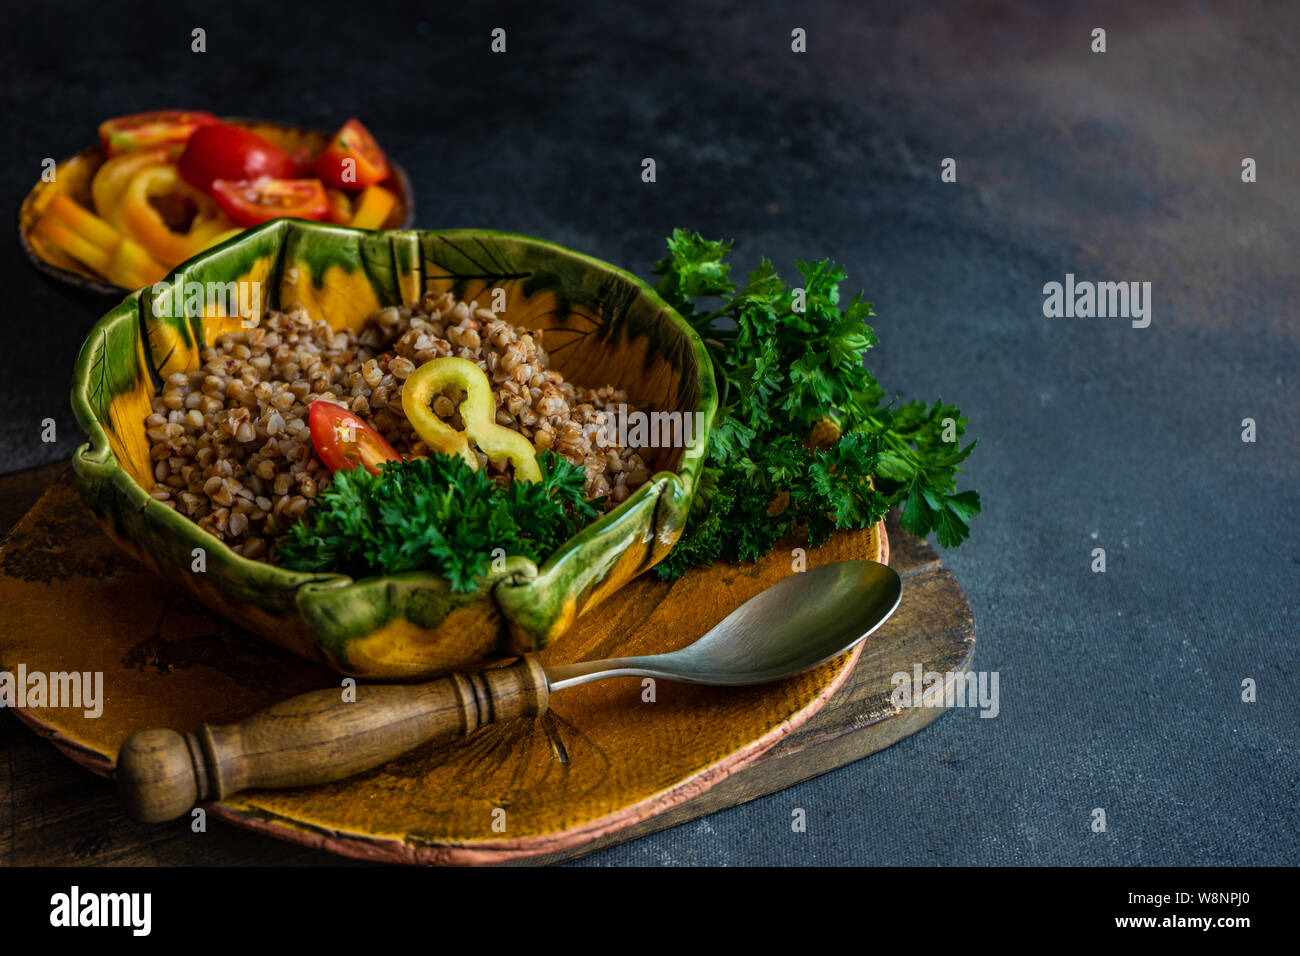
(1119, 691)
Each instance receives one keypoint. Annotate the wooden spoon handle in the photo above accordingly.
(317, 737)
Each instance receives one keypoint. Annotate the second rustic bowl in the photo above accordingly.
(73, 176)
(603, 325)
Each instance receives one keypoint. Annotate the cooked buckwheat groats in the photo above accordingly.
(230, 440)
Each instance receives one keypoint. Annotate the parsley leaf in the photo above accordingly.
(789, 363)
(437, 514)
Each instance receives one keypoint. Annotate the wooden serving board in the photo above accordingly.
(605, 765)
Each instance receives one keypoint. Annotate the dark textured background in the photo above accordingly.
(1119, 690)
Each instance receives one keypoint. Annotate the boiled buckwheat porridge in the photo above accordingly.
(230, 441)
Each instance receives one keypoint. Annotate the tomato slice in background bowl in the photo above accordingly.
(155, 128)
(344, 441)
(224, 151)
(251, 202)
(304, 162)
(368, 164)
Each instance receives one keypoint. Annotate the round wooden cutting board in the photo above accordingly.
(607, 755)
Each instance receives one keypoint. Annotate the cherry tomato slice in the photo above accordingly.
(231, 152)
(304, 163)
(251, 202)
(343, 441)
(157, 128)
(352, 160)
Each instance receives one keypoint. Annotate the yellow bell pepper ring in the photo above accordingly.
(477, 411)
(110, 180)
(137, 217)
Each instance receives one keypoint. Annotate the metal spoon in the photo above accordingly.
(802, 621)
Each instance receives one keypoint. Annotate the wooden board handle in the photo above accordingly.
(317, 737)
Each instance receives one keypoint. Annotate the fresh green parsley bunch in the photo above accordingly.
(789, 366)
(437, 514)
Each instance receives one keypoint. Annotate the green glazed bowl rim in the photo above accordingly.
(96, 457)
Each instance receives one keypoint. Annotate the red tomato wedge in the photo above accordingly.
(343, 441)
(231, 152)
(304, 163)
(157, 128)
(251, 202)
(352, 160)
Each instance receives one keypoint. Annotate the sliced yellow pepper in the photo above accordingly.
(373, 206)
(221, 237)
(137, 217)
(95, 243)
(86, 223)
(477, 411)
(112, 178)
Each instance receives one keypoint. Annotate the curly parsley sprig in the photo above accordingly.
(437, 514)
(789, 363)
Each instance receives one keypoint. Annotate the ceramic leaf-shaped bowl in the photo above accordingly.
(602, 326)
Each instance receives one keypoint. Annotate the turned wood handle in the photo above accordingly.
(317, 737)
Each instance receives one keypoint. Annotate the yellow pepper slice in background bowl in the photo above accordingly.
(136, 215)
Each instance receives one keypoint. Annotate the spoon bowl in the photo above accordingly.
(801, 621)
